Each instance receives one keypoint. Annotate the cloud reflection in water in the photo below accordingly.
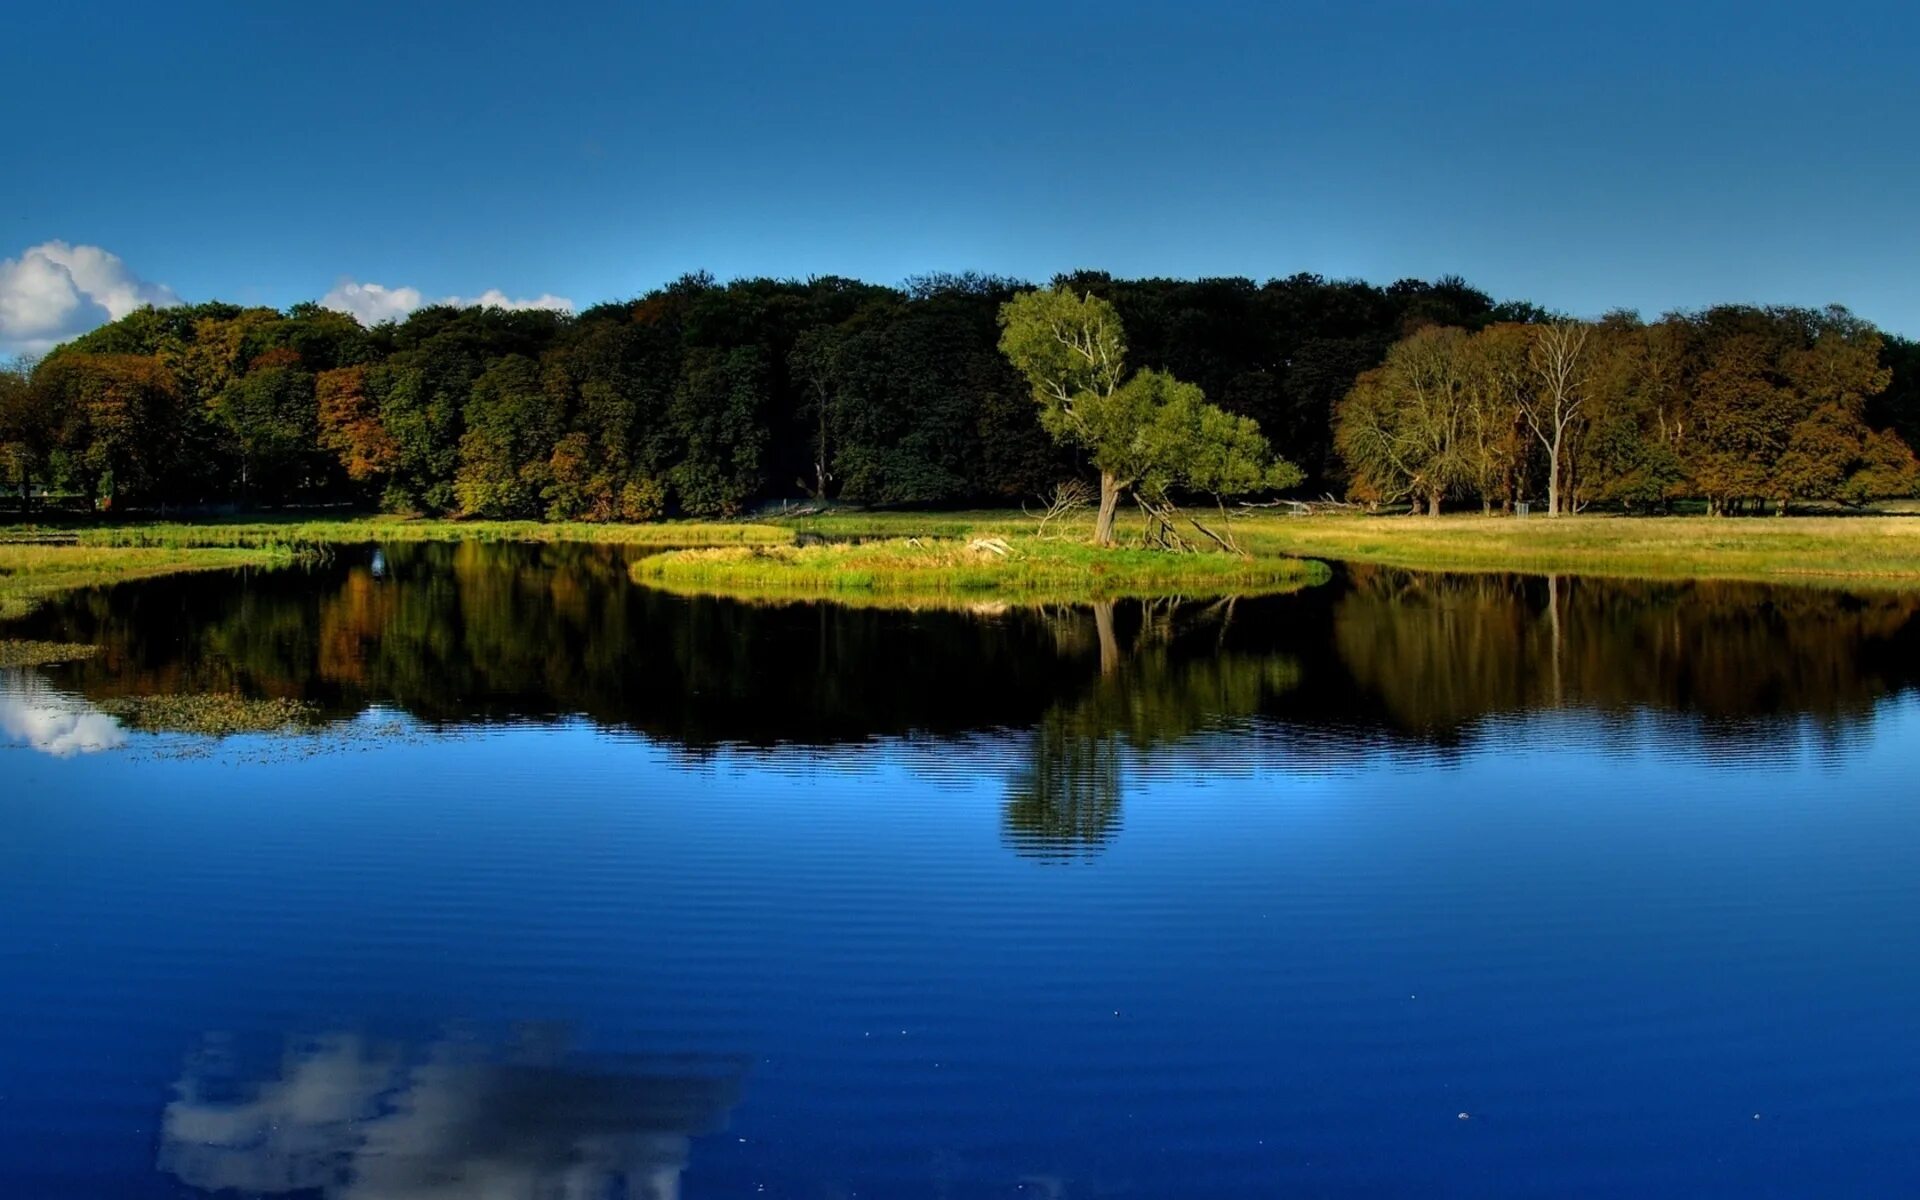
(350, 1119)
(39, 716)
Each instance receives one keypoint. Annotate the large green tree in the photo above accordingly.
(1147, 433)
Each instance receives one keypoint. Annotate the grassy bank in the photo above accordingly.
(1868, 550)
(933, 570)
(1865, 550)
(367, 530)
(1881, 550)
(31, 573)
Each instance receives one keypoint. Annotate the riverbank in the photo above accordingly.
(933, 570)
(30, 573)
(39, 561)
(1878, 551)
(368, 530)
(1867, 550)
(1881, 551)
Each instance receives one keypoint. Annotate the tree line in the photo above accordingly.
(703, 398)
(1742, 407)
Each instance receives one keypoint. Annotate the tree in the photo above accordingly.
(1073, 352)
(815, 363)
(1493, 373)
(1553, 403)
(117, 413)
(509, 437)
(1194, 446)
(1405, 429)
(268, 416)
(719, 429)
(26, 431)
(1150, 433)
(349, 424)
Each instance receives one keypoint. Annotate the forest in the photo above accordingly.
(704, 398)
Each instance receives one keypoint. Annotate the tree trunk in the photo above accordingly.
(820, 460)
(1553, 477)
(1109, 509)
(1433, 504)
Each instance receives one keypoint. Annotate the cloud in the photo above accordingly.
(372, 303)
(55, 291)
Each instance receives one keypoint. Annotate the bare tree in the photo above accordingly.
(1552, 407)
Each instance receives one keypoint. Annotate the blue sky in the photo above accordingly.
(1639, 156)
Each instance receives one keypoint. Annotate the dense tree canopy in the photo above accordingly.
(705, 398)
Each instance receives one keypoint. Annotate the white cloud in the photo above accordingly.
(55, 291)
(372, 303)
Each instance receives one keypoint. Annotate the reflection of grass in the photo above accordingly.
(1842, 550)
(213, 713)
(909, 571)
(17, 653)
(30, 573)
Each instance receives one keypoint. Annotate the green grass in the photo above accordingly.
(1877, 550)
(394, 529)
(922, 572)
(1849, 551)
(30, 573)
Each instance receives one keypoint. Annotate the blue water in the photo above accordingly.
(1613, 944)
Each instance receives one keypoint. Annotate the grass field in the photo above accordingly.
(366, 530)
(1868, 550)
(917, 571)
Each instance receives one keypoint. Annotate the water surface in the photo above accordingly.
(1410, 884)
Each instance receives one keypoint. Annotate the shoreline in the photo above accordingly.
(1864, 552)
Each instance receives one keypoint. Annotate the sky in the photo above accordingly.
(380, 156)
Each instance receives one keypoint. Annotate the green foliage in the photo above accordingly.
(1149, 432)
(504, 454)
(721, 433)
(268, 418)
(711, 398)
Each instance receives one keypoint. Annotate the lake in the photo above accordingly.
(555, 887)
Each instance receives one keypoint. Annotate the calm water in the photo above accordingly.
(1407, 885)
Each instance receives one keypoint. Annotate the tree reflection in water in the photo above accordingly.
(1376, 662)
(346, 1118)
(1166, 672)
